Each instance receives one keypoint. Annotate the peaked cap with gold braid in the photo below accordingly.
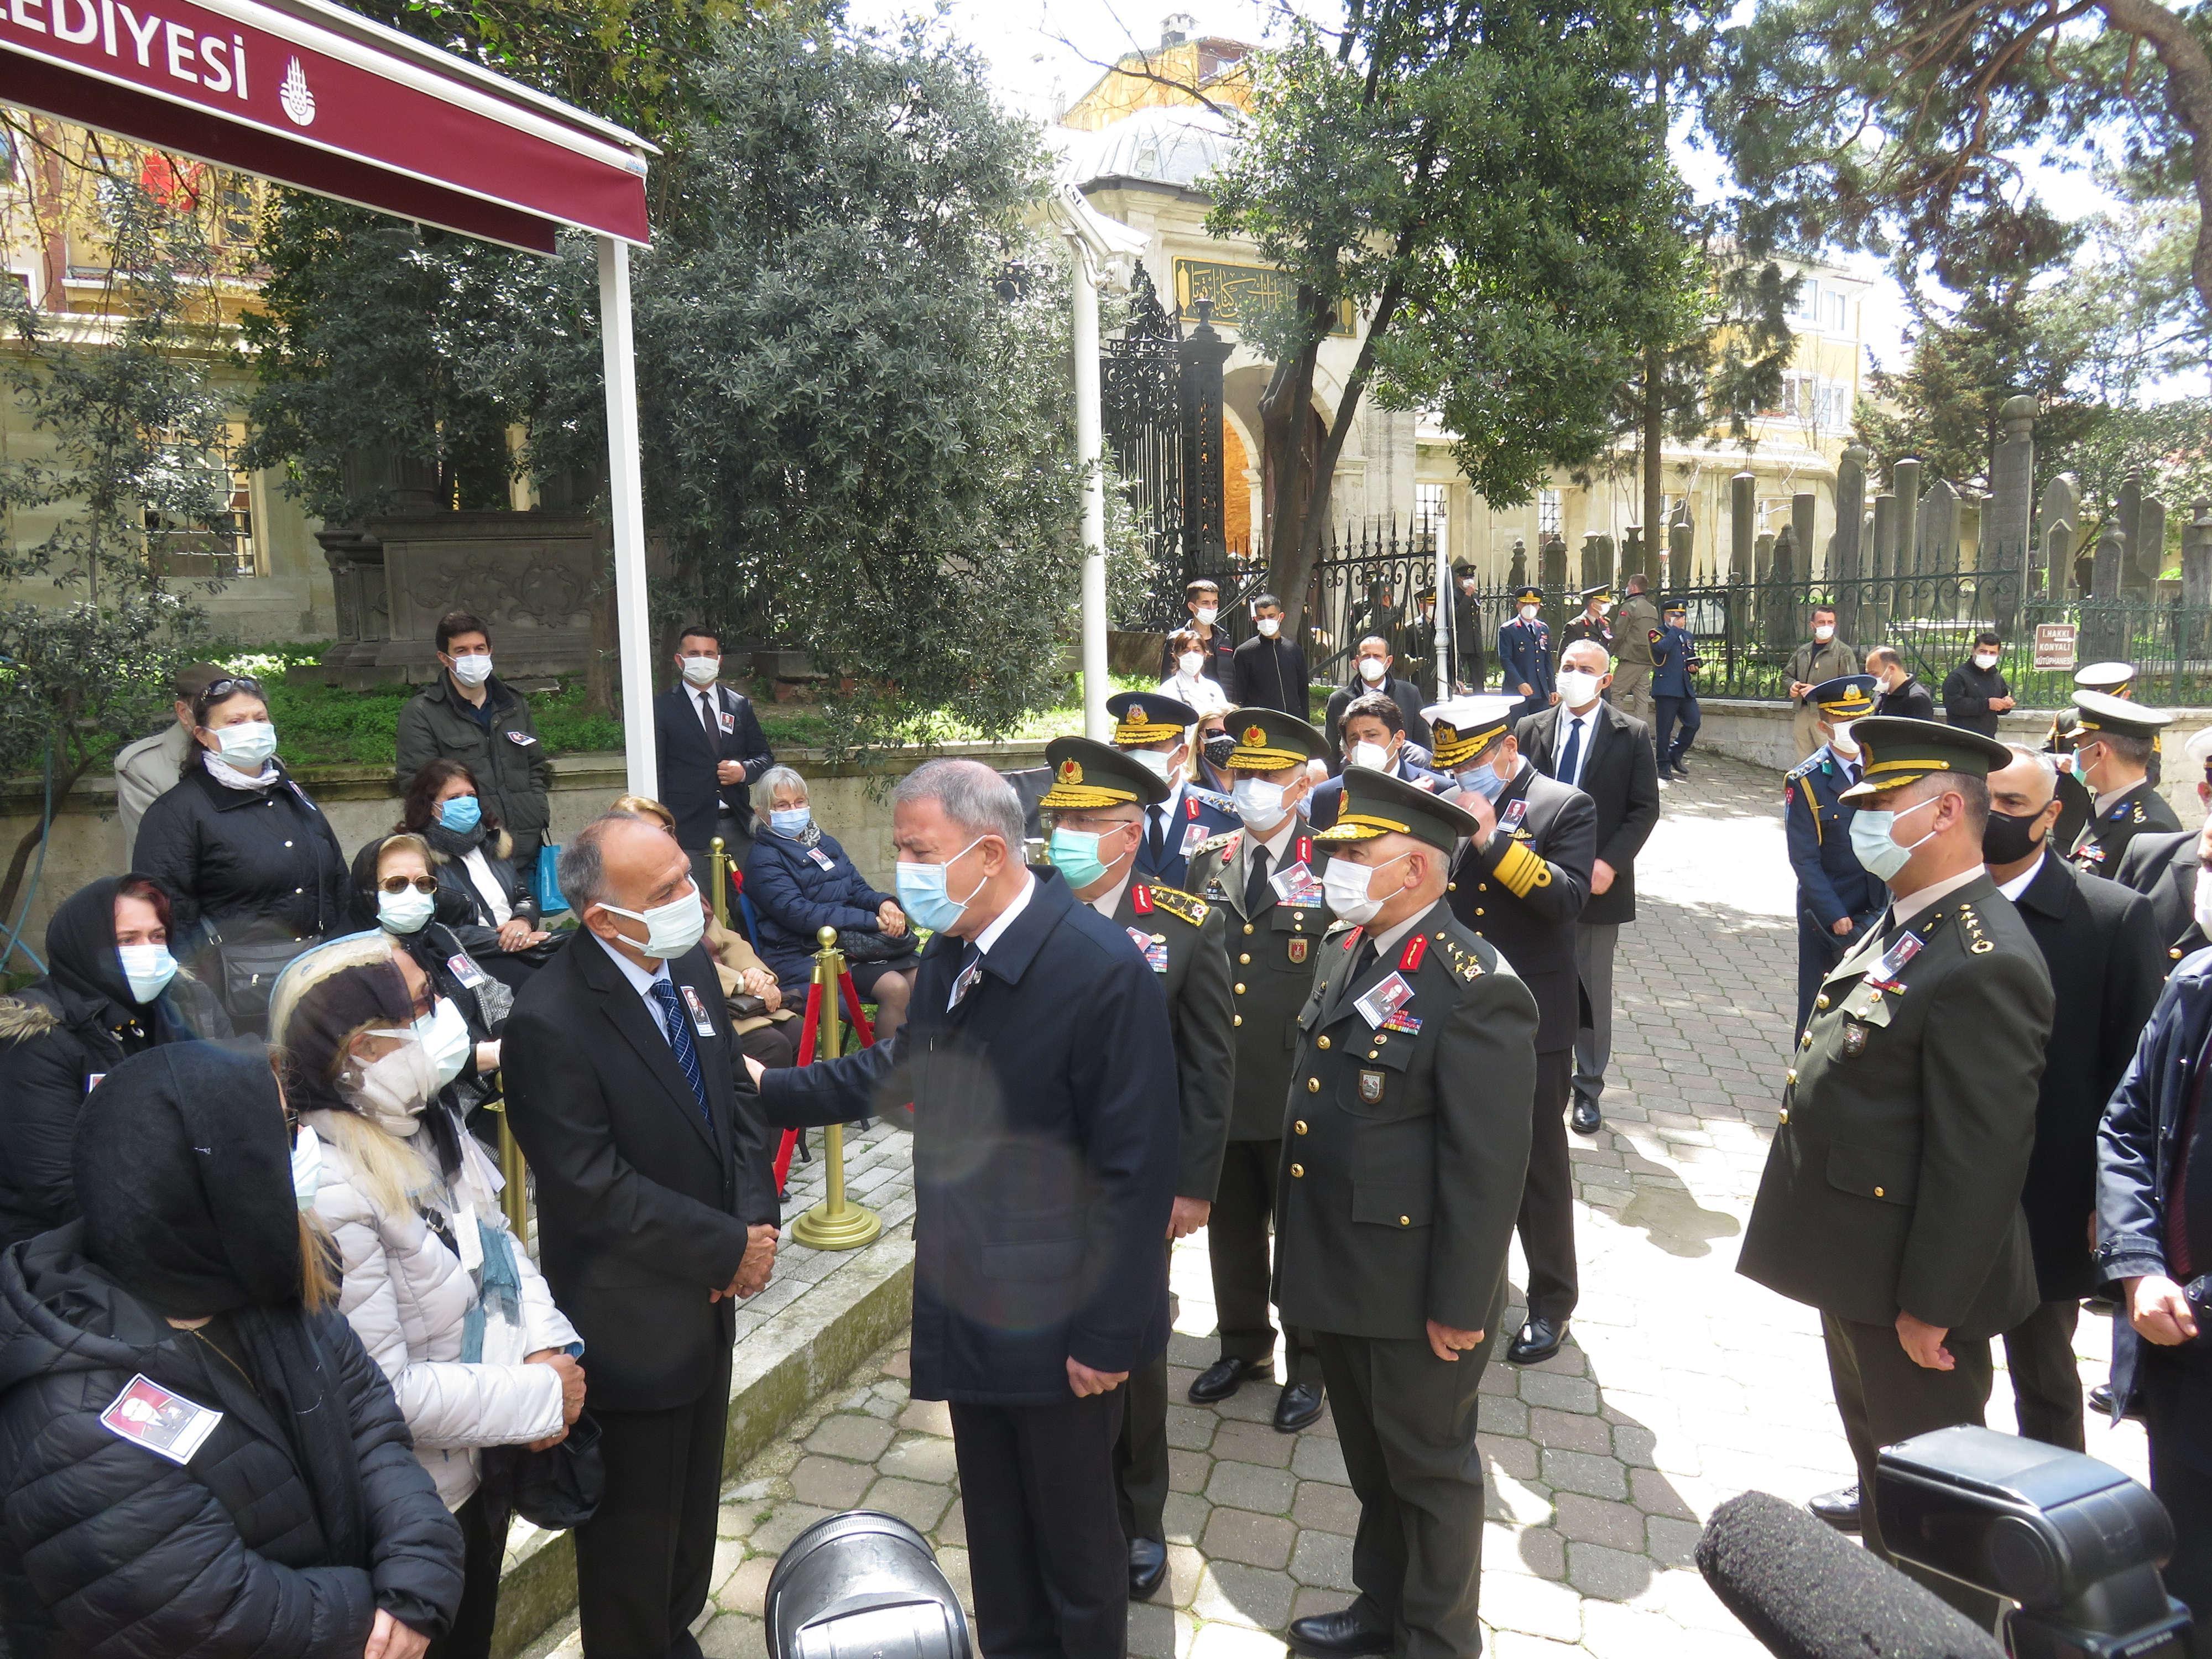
(1898, 751)
(1267, 740)
(1376, 804)
(1143, 719)
(1093, 775)
(1463, 727)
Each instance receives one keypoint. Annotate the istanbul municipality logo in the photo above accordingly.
(298, 101)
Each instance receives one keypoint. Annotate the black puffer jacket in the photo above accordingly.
(108, 1548)
(246, 864)
(59, 1033)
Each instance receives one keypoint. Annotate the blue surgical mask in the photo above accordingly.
(790, 820)
(246, 745)
(921, 892)
(1484, 780)
(148, 969)
(461, 814)
(1870, 840)
(444, 1034)
(1074, 854)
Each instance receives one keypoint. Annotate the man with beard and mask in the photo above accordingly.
(112, 989)
(1096, 812)
(1156, 730)
(1836, 897)
(1267, 876)
(2113, 739)
(2164, 870)
(1891, 1199)
(1521, 882)
(1407, 1134)
(2100, 950)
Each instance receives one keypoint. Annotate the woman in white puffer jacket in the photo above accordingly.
(442, 1296)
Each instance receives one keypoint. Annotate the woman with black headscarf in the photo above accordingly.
(196, 1455)
(442, 1294)
(112, 989)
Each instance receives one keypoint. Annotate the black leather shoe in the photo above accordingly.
(1585, 1120)
(1148, 1567)
(1539, 1340)
(1332, 1635)
(2101, 1400)
(1839, 1509)
(1297, 1408)
(1680, 771)
(1221, 1379)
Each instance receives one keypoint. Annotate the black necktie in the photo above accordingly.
(1255, 885)
(1156, 842)
(707, 717)
(1361, 960)
(1573, 753)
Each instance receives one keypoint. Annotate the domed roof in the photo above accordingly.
(1178, 145)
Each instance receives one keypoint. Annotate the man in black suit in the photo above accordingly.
(1268, 670)
(1521, 881)
(2101, 944)
(657, 1195)
(2163, 869)
(1900, 692)
(1585, 742)
(712, 750)
(1042, 1066)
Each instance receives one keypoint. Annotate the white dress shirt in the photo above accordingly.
(2021, 882)
(639, 982)
(1568, 721)
(992, 935)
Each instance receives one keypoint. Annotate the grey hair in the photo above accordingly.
(582, 868)
(775, 778)
(971, 794)
(2044, 764)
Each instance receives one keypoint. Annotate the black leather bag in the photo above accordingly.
(249, 974)
(557, 1489)
(859, 944)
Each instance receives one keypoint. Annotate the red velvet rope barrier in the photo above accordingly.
(809, 1034)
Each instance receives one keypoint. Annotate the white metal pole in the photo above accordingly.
(1444, 637)
(626, 502)
(1089, 443)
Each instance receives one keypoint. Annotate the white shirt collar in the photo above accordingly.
(1387, 941)
(2110, 797)
(2021, 882)
(1278, 839)
(1168, 807)
(639, 981)
(1903, 911)
(1005, 919)
(1111, 901)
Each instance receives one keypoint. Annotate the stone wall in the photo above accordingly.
(851, 801)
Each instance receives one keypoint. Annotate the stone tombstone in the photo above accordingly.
(1851, 512)
(2005, 519)
(1905, 482)
(1939, 528)
(2104, 628)
(1803, 505)
(1552, 565)
(1873, 617)
(2148, 542)
(1762, 565)
(2126, 517)
(2197, 555)
(1779, 620)
(2111, 554)
(2060, 505)
(1517, 574)
(1597, 558)
(1681, 553)
(1743, 527)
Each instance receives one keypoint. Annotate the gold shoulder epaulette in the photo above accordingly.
(1187, 907)
(1977, 941)
(1225, 840)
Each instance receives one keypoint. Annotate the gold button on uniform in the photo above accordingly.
(1299, 1127)
(1805, 1041)
(1785, 1115)
(1405, 1221)
(1820, 1001)
(1321, 1042)
(1477, 909)
(1248, 926)
(1297, 1170)
(1240, 990)
(1313, 1085)
(2175, 953)
(1789, 1075)
(1451, 887)
(1877, 1192)
(1235, 1019)
(1244, 960)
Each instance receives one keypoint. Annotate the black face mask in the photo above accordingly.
(1218, 748)
(2007, 840)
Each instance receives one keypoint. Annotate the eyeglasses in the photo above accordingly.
(397, 884)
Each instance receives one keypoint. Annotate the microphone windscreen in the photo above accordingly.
(1808, 1592)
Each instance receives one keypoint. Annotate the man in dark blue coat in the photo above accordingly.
(1158, 731)
(1040, 1061)
(1837, 897)
(711, 750)
(1524, 654)
(1673, 660)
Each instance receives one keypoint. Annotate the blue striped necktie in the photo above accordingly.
(678, 1027)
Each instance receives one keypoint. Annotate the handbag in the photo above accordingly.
(545, 882)
(861, 944)
(557, 1489)
(248, 972)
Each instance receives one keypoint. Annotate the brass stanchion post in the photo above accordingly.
(515, 1195)
(718, 872)
(833, 1223)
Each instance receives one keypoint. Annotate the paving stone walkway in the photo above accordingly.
(1683, 1384)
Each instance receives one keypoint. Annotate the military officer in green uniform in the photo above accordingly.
(2112, 750)
(1406, 1141)
(1268, 876)
(1891, 1200)
(1095, 810)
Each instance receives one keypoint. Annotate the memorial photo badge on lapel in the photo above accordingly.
(1384, 1000)
(167, 1424)
(1371, 1087)
(1297, 887)
(1511, 820)
(700, 1022)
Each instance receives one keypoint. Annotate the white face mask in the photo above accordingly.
(1190, 662)
(1345, 884)
(1841, 741)
(1375, 755)
(670, 929)
(1528, 613)
(1985, 660)
(392, 1091)
(1206, 613)
(1269, 627)
(148, 969)
(2202, 906)
(246, 745)
(1577, 687)
(1372, 669)
(702, 672)
(406, 912)
(1258, 801)
(473, 669)
(444, 1032)
(1824, 632)
(306, 1167)
(1159, 763)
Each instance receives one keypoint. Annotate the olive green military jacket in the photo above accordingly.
(1271, 953)
(1632, 623)
(1406, 1143)
(1183, 939)
(1895, 1175)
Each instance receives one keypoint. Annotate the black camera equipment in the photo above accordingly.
(863, 1585)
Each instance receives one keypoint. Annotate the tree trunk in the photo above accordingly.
(2189, 97)
(27, 844)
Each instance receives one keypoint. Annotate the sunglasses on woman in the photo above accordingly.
(396, 885)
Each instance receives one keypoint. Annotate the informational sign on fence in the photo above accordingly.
(2054, 645)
